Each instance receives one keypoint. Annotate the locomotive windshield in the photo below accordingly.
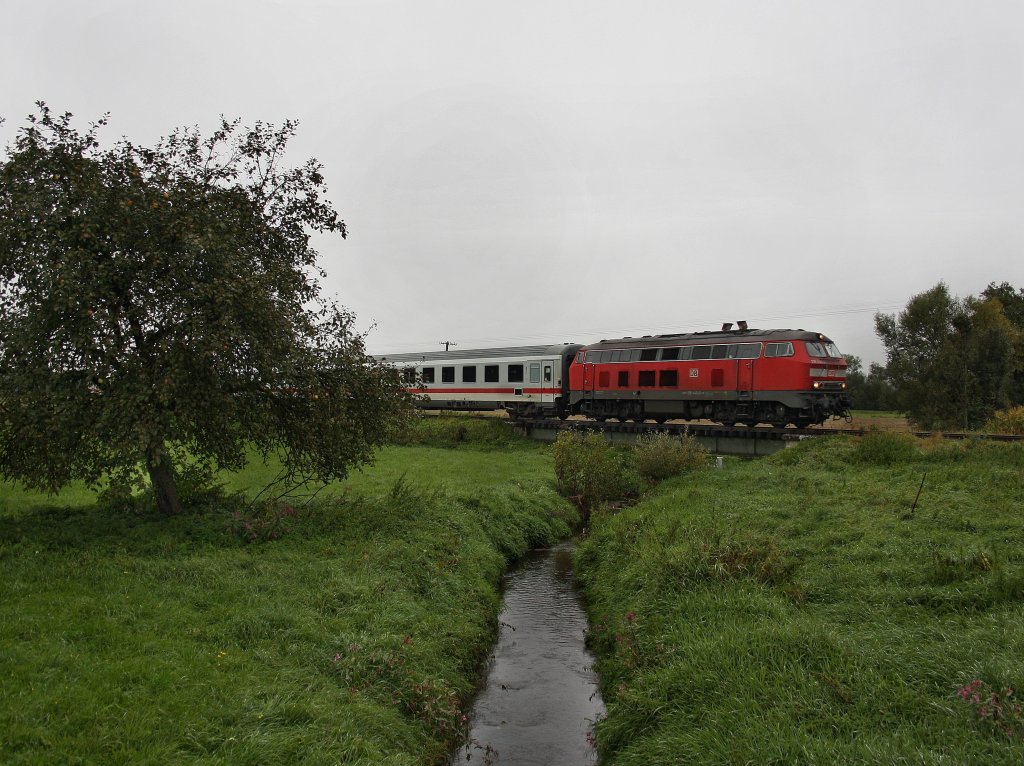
(823, 350)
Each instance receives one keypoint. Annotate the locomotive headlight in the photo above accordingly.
(816, 384)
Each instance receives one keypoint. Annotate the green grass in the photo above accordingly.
(356, 638)
(795, 609)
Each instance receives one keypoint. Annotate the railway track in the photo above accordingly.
(705, 430)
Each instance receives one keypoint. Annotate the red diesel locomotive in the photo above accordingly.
(730, 376)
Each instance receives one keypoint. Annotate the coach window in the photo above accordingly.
(669, 354)
(490, 373)
(646, 378)
(469, 373)
(409, 375)
(447, 374)
(535, 372)
(515, 373)
(428, 374)
(623, 378)
(701, 352)
(668, 378)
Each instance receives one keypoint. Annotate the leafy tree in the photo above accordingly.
(162, 304)
(1012, 302)
(951, 361)
(871, 391)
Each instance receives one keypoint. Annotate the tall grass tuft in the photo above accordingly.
(659, 456)
(590, 471)
(1009, 421)
(886, 448)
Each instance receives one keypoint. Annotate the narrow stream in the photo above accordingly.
(540, 698)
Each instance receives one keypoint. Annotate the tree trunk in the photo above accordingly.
(161, 474)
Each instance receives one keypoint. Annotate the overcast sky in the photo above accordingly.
(534, 171)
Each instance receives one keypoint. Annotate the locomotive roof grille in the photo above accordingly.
(730, 336)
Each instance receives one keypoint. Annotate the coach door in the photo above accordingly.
(548, 371)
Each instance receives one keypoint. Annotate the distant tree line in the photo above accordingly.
(950, 362)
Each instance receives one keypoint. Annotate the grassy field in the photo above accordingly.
(354, 638)
(800, 609)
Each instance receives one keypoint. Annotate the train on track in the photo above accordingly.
(743, 376)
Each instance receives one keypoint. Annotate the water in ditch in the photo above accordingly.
(540, 699)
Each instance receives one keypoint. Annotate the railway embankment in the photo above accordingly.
(348, 631)
(844, 601)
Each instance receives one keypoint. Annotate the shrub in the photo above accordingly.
(659, 456)
(885, 448)
(1009, 421)
(590, 471)
(460, 430)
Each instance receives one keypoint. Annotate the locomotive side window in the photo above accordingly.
(581, 357)
(684, 353)
(535, 372)
(648, 354)
(719, 352)
(701, 352)
(646, 378)
(469, 373)
(515, 373)
(668, 378)
(620, 355)
(778, 349)
(490, 373)
(428, 374)
(623, 378)
(744, 350)
(669, 354)
(447, 374)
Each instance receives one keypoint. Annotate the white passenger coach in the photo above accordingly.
(526, 381)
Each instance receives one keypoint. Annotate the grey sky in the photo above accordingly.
(547, 171)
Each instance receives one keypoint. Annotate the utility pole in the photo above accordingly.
(447, 343)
